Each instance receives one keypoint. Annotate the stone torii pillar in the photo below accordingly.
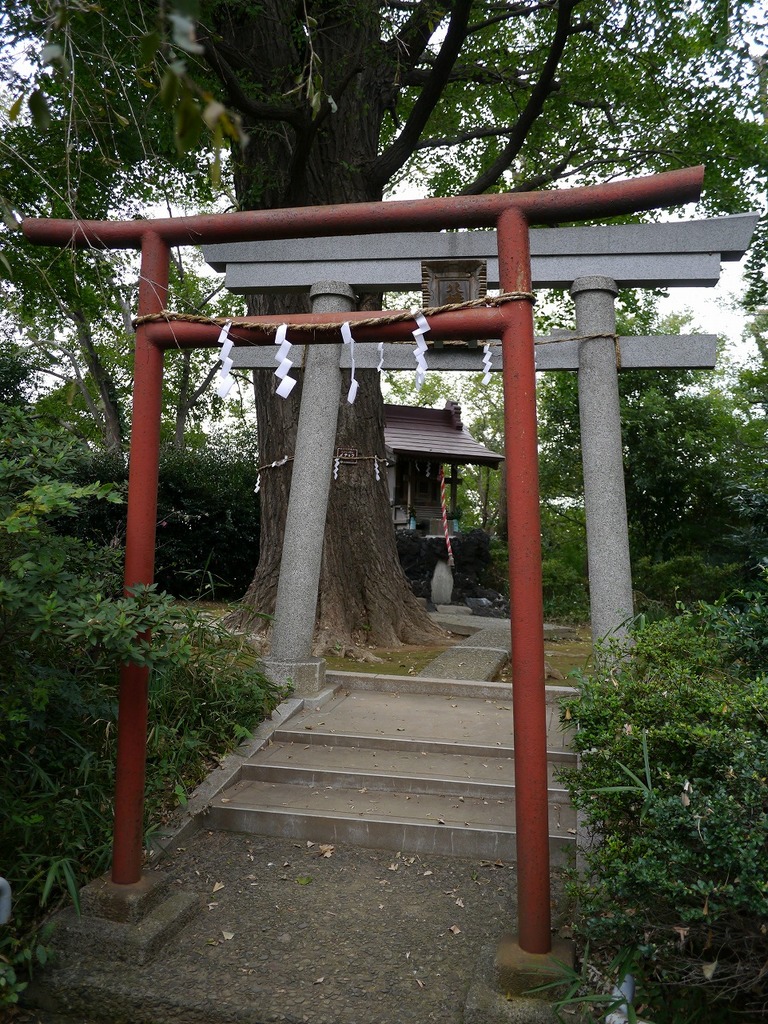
(291, 658)
(605, 500)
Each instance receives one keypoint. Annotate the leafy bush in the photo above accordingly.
(673, 743)
(685, 578)
(65, 626)
(207, 516)
(565, 590)
(495, 576)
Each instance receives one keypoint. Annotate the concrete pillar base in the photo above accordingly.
(125, 923)
(518, 972)
(307, 677)
(126, 903)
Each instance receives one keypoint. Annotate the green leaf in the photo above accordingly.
(38, 107)
(13, 113)
(149, 44)
(169, 88)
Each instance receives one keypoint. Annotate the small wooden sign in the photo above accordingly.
(347, 454)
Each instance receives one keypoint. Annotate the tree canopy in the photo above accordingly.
(111, 112)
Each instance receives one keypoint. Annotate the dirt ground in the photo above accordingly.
(298, 932)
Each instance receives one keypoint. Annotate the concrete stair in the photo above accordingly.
(417, 772)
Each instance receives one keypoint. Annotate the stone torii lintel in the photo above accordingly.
(554, 352)
(672, 254)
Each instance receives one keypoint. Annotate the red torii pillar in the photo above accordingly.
(511, 214)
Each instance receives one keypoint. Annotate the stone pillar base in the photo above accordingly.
(518, 972)
(125, 923)
(306, 677)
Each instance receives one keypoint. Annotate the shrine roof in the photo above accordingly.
(438, 433)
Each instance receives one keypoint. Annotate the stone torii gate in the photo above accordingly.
(593, 262)
(512, 216)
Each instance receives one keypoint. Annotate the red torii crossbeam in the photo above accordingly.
(511, 215)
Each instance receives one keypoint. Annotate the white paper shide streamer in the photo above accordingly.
(346, 337)
(421, 349)
(272, 465)
(487, 360)
(226, 380)
(380, 365)
(287, 384)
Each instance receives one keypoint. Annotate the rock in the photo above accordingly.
(442, 583)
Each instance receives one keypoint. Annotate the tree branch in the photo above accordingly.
(410, 41)
(479, 74)
(484, 132)
(554, 173)
(508, 11)
(392, 159)
(535, 105)
(239, 99)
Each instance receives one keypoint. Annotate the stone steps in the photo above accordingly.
(411, 772)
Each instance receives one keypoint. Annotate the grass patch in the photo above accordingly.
(408, 660)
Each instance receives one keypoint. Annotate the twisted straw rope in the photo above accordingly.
(166, 316)
(375, 321)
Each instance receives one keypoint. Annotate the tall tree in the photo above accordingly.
(342, 100)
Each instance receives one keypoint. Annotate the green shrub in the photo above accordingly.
(65, 627)
(495, 576)
(684, 579)
(565, 591)
(740, 623)
(207, 516)
(673, 744)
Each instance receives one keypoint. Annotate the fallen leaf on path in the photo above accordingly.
(455, 930)
(419, 982)
(460, 903)
(217, 887)
(228, 935)
(303, 880)
(319, 981)
(326, 849)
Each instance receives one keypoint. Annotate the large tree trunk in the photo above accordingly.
(363, 591)
(364, 596)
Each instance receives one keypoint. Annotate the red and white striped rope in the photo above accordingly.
(445, 517)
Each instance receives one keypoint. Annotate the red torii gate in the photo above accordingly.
(511, 215)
